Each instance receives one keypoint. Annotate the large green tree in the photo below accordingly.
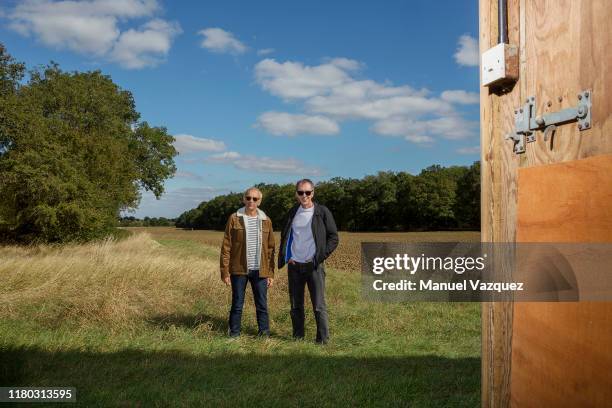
(72, 154)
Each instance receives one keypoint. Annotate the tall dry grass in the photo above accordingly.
(112, 283)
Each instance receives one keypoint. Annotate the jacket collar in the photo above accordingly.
(260, 214)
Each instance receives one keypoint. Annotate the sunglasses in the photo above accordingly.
(301, 193)
(254, 199)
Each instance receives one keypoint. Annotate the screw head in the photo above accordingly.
(579, 96)
(586, 94)
(560, 99)
(521, 110)
(515, 111)
(586, 124)
(579, 126)
(527, 100)
(549, 104)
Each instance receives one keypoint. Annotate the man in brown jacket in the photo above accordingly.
(247, 255)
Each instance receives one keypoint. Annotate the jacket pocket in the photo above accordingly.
(238, 233)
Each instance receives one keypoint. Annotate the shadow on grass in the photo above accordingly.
(138, 378)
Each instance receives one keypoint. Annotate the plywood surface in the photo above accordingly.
(567, 49)
(564, 47)
(498, 170)
(562, 352)
(566, 202)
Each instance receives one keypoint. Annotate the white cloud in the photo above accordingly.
(467, 52)
(460, 97)
(188, 175)
(225, 157)
(371, 108)
(190, 144)
(147, 46)
(265, 51)
(469, 150)
(345, 63)
(293, 80)
(265, 164)
(332, 93)
(91, 28)
(452, 127)
(221, 41)
(281, 123)
(424, 131)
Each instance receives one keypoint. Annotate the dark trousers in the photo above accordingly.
(260, 292)
(300, 275)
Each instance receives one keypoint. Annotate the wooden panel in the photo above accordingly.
(561, 355)
(562, 352)
(498, 179)
(566, 202)
(567, 49)
(564, 47)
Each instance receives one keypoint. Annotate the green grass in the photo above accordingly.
(380, 354)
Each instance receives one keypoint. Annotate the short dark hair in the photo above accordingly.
(302, 181)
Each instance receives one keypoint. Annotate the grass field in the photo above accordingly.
(142, 322)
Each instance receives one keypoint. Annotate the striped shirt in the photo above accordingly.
(252, 238)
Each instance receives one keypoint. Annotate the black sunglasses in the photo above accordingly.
(254, 199)
(301, 193)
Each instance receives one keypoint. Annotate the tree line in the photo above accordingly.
(437, 198)
(131, 221)
(73, 153)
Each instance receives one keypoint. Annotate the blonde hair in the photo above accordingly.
(246, 192)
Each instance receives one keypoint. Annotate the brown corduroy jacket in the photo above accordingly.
(234, 248)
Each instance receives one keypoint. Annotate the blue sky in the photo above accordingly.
(274, 91)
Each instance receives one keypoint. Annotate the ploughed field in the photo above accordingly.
(142, 322)
(346, 257)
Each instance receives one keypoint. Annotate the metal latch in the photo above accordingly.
(526, 121)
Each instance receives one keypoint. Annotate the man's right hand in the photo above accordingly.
(226, 280)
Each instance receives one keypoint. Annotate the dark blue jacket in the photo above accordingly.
(324, 232)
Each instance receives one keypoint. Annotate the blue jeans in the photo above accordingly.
(260, 293)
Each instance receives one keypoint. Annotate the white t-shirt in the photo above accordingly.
(303, 247)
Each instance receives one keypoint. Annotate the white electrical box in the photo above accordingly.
(499, 64)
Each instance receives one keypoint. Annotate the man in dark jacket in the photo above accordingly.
(308, 238)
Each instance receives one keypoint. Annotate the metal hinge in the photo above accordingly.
(527, 123)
